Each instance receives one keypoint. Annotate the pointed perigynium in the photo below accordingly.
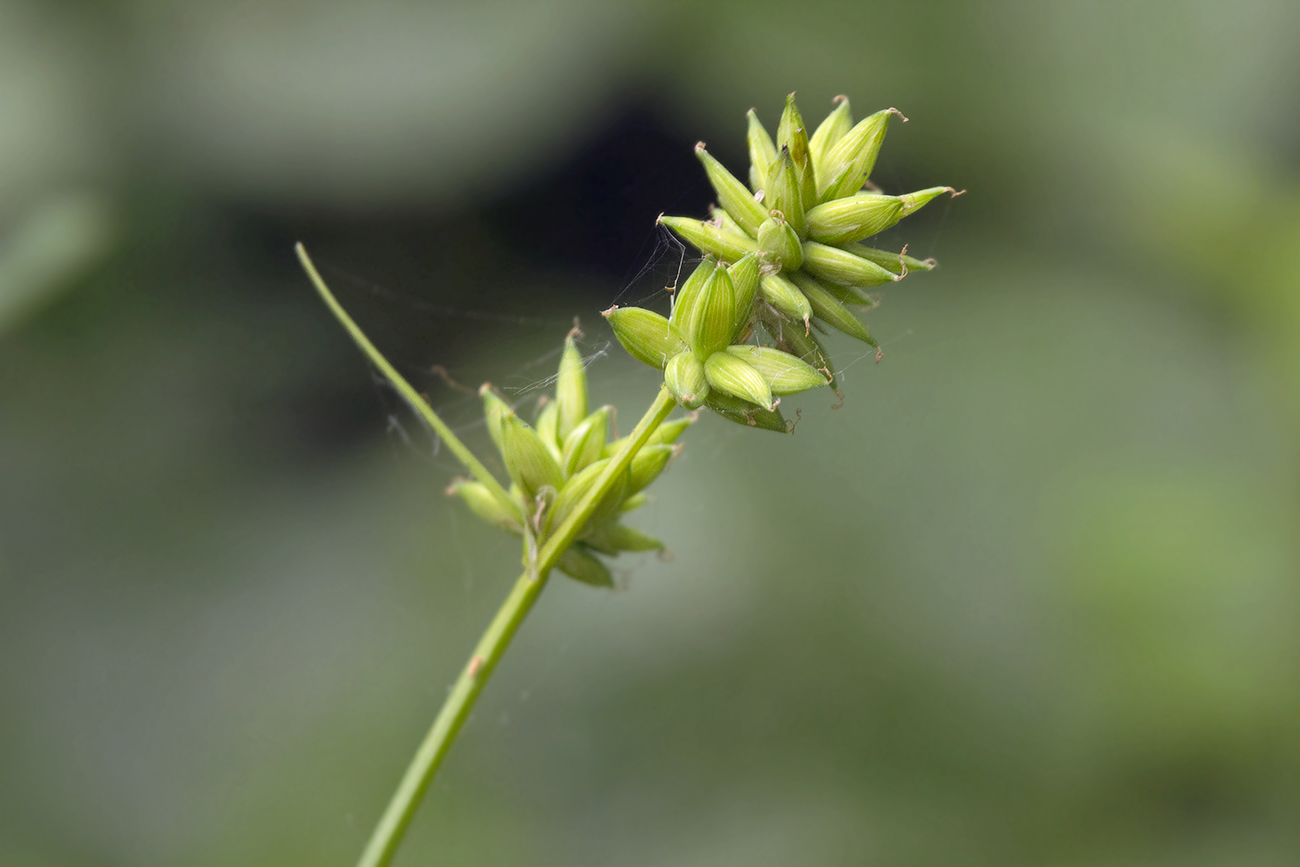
(555, 462)
(803, 223)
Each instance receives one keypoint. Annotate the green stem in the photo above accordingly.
(417, 403)
(474, 676)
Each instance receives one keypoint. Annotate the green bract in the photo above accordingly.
(789, 244)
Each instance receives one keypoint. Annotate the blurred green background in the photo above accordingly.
(1029, 597)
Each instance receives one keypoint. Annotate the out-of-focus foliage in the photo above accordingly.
(1029, 597)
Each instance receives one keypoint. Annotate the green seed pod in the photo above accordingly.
(733, 196)
(852, 158)
(724, 221)
(495, 411)
(828, 308)
(792, 338)
(778, 291)
(741, 412)
(779, 244)
(635, 501)
(578, 564)
(849, 296)
(854, 217)
(730, 374)
(647, 465)
(487, 507)
(578, 486)
(528, 461)
(584, 444)
(709, 239)
(838, 266)
(647, 336)
(792, 133)
(783, 372)
(892, 262)
(570, 389)
(669, 432)
(762, 153)
(829, 133)
(548, 421)
(613, 538)
(913, 202)
(694, 282)
(707, 319)
(744, 277)
(783, 192)
(685, 378)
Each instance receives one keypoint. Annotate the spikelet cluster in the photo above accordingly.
(782, 263)
(554, 462)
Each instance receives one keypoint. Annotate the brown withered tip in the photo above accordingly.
(699, 146)
(606, 313)
(893, 110)
(484, 388)
(576, 331)
(839, 99)
(659, 219)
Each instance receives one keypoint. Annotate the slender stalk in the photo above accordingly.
(404, 388)
(474, 676)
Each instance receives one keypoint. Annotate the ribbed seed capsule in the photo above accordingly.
(648, 337)
(742, 412)
(585, 443)
(647, 465)
(792, 338)
(685, 378)
(784, 193)
(792, 133)
(828, 134)
(785, 296)
(853, 218)
(762, 152)
(839, 266)
(727, 246)
(730, 374)
(733, 195)
(570, 389)
(828, 309)
(582, 566)
(779, 244)
(783, 372)
(528, 461)
(688, 293)
(495, 411)
(486, 506)
(849, 296)
(852, 158)
(892, 262)
(744, 278)
(708, 319)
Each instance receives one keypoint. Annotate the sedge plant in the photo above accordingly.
(782, 263)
